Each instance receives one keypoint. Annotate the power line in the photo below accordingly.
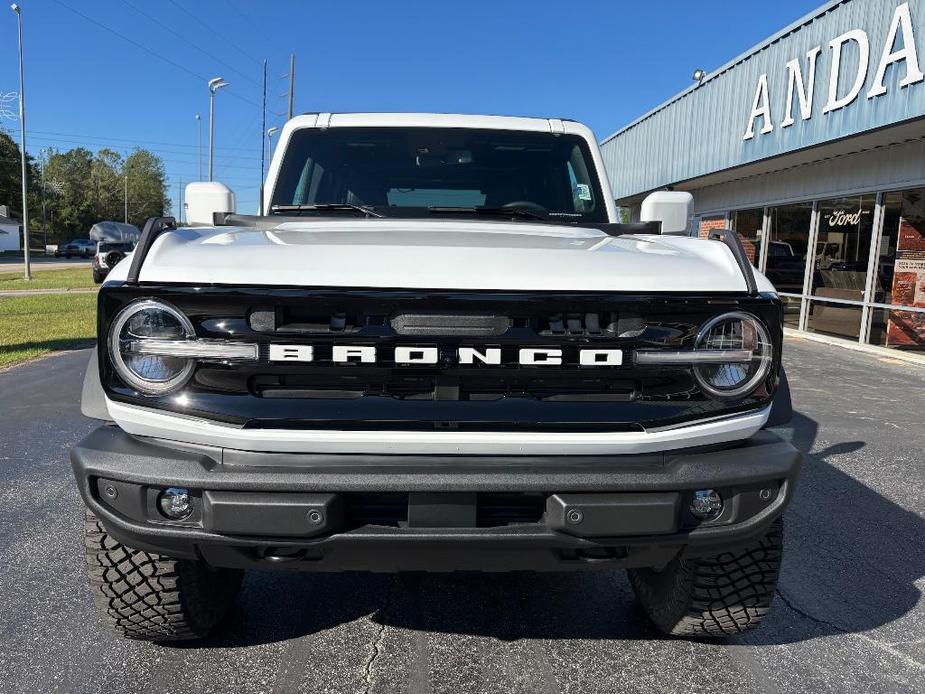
(212, 31)
(51, 140)
(251, 22)
(189, 43)
(133, 140)
(147, 50)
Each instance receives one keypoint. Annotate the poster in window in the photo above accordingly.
(906, 328)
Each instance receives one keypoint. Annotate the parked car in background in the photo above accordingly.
(107, 255)
(82, 248)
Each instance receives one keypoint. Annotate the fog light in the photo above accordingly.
(706, 505)
(175, 503)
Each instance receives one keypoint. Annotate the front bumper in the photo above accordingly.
(399, 512)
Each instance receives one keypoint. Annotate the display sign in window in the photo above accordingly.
(901, 272)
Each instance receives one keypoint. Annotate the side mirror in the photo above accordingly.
(204, 198)
(673, 209)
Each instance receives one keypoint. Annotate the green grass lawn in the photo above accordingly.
(31, 326)
(71, 278)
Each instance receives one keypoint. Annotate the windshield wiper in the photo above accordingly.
(326, 207)
(492, 211)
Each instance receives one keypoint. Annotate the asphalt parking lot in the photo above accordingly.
(849, 615)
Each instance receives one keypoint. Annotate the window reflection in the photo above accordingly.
(843, 247)
(748, 225)
(787, 245)
(839, 320)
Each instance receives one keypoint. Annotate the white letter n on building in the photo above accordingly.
(804, 91)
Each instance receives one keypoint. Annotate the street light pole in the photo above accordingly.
(263, 126)
(215, 84)
(44, 153)
(199, 126)
(22, 124)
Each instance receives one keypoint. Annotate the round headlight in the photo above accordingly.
(748, 345)
(147, 321)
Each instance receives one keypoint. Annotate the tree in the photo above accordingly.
(73, 206)
(147, 186)
(11, 179)
(83, 188)
(108, 185)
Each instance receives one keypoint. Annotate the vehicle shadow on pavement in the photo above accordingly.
(852, 558)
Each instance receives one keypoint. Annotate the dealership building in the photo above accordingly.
(811, 145)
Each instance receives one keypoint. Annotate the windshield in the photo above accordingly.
(405, 172)
(106, 247)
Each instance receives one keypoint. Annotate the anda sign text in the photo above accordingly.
(899, 51)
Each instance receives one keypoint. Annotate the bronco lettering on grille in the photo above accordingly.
(527, 356)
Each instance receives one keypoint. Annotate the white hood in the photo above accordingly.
(439, 254)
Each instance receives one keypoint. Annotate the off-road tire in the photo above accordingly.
(148, 596)
(715, 596)
(97, 277)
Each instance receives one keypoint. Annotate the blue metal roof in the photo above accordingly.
(702, 129)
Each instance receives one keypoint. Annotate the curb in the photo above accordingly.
(883, 353)
(38, 292)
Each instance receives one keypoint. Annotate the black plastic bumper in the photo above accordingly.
(391, 512)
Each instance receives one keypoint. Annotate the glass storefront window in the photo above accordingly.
(843, 247)
(839, 261)
(839, 320)
(787, 244)
(749, 224)
(898, 329)
(900, 279)
(791, 306)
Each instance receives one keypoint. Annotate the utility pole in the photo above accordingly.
(263, 128)
(22, 124)
(125, 179)
(291, 81)
(180, 199)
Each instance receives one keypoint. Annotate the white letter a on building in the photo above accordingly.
(760, 109)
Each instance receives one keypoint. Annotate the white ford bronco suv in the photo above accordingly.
(434, 349)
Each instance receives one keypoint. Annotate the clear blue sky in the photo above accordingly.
(601, 62)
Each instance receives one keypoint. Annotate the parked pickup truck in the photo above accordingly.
(434, 349)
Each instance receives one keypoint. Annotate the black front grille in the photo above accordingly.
(447, 394)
